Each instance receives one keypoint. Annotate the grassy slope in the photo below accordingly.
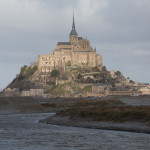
(25, 74)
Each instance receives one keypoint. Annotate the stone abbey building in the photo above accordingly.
(75, 53)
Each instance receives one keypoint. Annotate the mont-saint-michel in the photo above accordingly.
(75, 53)
(69, 98)
(73, 69)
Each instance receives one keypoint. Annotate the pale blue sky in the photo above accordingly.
(119, 29)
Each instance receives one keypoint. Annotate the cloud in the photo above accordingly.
(89, 8)
(33, 15)
(19, 13)
(142, 53)
(119, 30)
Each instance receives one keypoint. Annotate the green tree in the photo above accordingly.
(117, 73)
(55, 73)
(68, 63)
(95, 69)
(79, 76)
(26, 72)
(89, 80)
(104, 68)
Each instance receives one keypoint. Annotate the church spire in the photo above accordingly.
(73, 31)
(73, 23)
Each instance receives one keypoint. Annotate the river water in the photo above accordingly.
(23, 132)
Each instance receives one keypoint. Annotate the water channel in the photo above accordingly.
(23, 132)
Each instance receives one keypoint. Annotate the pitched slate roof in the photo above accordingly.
(63, 43)
(80, 38)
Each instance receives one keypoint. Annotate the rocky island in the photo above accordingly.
(73, 82)
(73, 69)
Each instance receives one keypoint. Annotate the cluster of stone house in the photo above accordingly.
(36, 92)
(33, 92)
(106, 89)
(145, 91)
(101, 88)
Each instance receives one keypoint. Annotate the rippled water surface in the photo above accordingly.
(23, 132)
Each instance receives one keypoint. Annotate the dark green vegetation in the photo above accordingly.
(61, 89)
(111, 113)
(118, 73)
(55, 73)
(95, 69)
(26, 73)
(71, 82)
(81, 102)
(98, 103)
(88, 88)
(106, 110)
(68, 63)
(60, 83)
(104, 68)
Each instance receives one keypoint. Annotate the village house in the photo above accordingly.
(32, 92)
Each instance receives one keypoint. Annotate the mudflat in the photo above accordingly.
(86, 123)
(10, 105)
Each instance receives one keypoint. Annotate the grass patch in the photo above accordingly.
(58, 89)
(26, 72)
(87, 88)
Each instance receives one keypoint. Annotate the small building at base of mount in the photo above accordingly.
(32, 92)
(75, 53)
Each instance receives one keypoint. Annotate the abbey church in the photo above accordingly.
(75, 53)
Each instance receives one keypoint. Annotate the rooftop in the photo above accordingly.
(80, 38)
(63, 43)
(83, 51)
